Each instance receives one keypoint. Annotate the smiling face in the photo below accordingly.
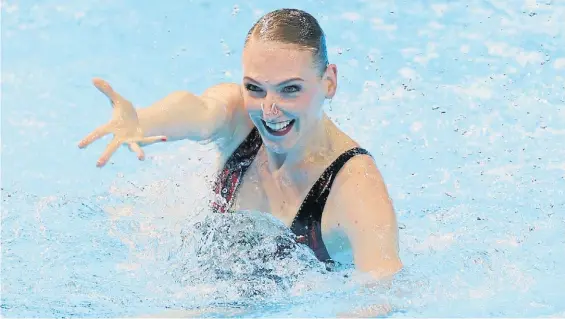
(284, 75)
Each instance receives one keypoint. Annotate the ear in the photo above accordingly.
(330, 79)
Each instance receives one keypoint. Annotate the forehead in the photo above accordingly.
(274, 62)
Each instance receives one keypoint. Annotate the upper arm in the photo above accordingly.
(365, 212)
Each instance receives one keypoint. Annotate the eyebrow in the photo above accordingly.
(282, 83)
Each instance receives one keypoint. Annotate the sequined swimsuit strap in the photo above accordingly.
(308, 221)
(230, 177)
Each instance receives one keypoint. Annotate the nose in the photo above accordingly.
(270, 108)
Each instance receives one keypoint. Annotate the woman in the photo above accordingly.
(280, 151)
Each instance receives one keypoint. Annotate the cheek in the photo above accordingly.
(304, 103)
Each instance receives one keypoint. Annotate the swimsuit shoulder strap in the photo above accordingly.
(320, 191)
(307, 223)
(230, 177)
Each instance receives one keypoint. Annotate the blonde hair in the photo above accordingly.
(292, 26)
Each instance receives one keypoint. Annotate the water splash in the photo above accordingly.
(253, 252)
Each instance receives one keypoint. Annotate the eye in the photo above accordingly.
(291, 89)
(252, 87)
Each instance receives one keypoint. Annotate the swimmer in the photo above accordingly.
(280, 152)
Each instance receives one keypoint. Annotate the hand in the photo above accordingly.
(124, 125)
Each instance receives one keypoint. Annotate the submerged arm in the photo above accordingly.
(368, 218)
(369, 221)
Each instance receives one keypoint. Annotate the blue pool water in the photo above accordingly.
(462, 104)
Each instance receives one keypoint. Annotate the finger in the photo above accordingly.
(105, 88)
(111, 149)
(93, 136)
(134, 147)
(152, 139)
(114, 97)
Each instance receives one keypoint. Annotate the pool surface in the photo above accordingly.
(461, 103)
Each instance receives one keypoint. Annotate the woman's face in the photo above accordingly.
(284, 92)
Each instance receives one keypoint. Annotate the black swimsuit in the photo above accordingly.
(307, 223)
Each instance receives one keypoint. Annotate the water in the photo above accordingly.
(462, 105)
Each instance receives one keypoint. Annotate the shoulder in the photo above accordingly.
(360, 183)
(229, 98)
(230, 93)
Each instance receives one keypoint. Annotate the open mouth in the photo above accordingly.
(279, 128)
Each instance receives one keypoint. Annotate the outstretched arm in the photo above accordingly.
(183, 115)
(180, 115)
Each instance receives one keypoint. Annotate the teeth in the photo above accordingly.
(278, 126)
